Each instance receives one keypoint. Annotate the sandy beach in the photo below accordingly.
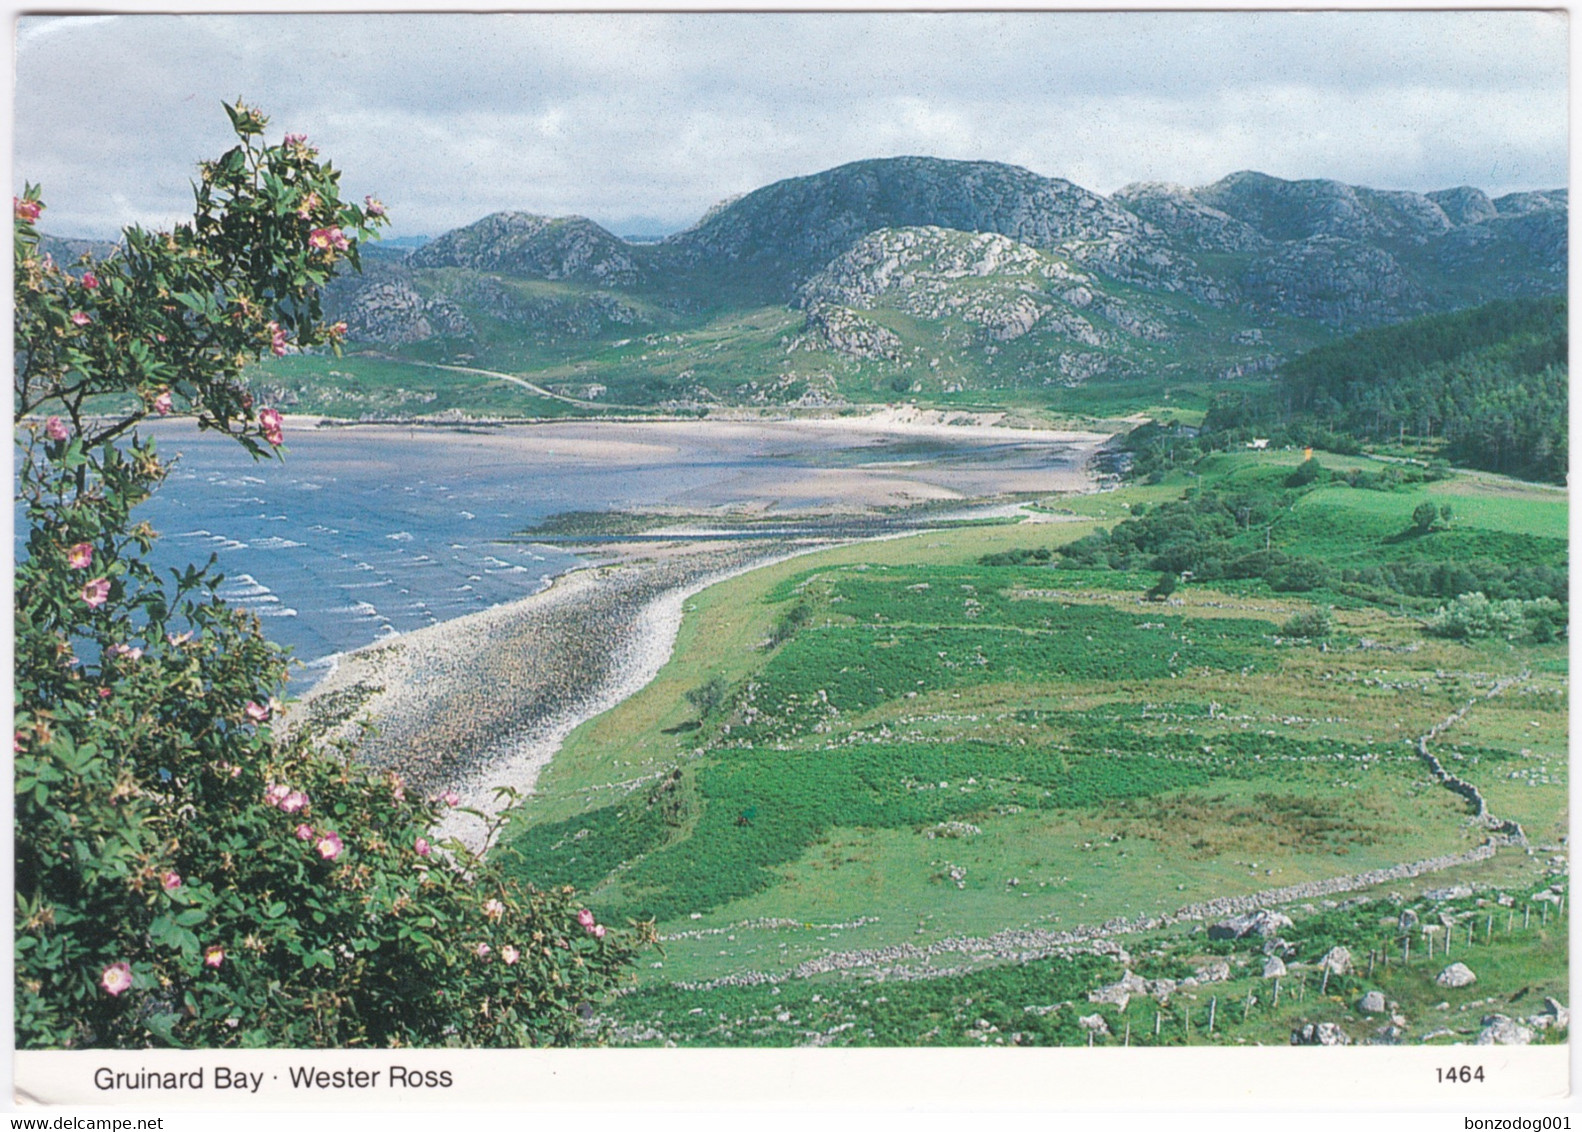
(485, 700)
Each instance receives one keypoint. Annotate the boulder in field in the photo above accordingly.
(1372, 1003)
(1456, 975)
(1498, 1030)
(1337, 960)
(1320, 1034)
(1262, 922)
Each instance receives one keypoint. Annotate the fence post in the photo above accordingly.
(1212, 1003)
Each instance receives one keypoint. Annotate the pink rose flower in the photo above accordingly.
(270, 421)
(55, 429)
(256, 712)
(373, 207)
(80, 556)
(277, 340)
(422, 846)
(16, 743)
(275, 793)
(328, 845)
(304, 832)
(482, 950)
(585, 918)
(450, 798)
(96, 592)
(293, 801)
(325, 238)
(126, 652)
(309, 203)
(510, 955)
(295, 139)
(162, 403)
(213, 956)
(493, 909)
(178, 639)
(597, 931)
(171, 881)
(27, 211)
(90, 280)
(78, 318)
(117, 978)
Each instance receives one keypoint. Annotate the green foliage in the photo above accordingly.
(1488, 384)
(922, 1012)
(1474, 615)
(1243, 528)
(1311, 623)
(708, 697)
(188, 872)
(1018, 556)
(1424, 515)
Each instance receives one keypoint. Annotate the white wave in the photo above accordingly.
(365, 585)
(283, 611)
(509, 570)
(400, 536)
(273, 543)
(243, 585)
(466, 514)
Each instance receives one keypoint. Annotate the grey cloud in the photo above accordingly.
(642, 119)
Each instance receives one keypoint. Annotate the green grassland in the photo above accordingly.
(909, 746)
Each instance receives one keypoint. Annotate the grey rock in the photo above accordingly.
(1454, 892)
(1216, 971)
(1265, 923)
(1320, 1034)
(1337, 960)
(1274, 967)
(1406, 922)
(562, 248)
(1118, 994)
(1372, 1003)
(1498, 1030)
(1094, 1023)
(1456, 975)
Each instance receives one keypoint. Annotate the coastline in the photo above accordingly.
(485, 700)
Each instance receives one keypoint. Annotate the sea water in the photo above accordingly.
(360, 534)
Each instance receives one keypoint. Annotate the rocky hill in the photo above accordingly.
(912, 272)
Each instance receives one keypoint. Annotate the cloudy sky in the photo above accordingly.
(641, 121)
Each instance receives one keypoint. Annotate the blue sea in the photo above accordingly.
(361, 533)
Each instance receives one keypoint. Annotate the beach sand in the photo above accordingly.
(485, 701)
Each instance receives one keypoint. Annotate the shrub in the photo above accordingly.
(1314, 624)
(1475, 615)
(187, 871)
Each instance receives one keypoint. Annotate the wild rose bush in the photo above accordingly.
(187, 873)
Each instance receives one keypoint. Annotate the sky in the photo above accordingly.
(642, 121)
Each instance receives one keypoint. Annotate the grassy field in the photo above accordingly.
(903, 746)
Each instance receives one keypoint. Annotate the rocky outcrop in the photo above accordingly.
(1320, 1034)
(1456, 975)
(1334, 280)
(568, 248)
(389, 311)
(1498, 1030)
(849, 333)
(783, 233)
(1190, 222)
(1264, 923)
